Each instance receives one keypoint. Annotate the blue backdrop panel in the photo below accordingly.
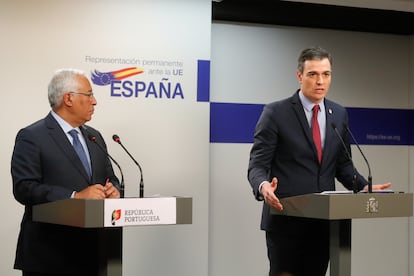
(380, 126)
(203, 80)
(235, 123)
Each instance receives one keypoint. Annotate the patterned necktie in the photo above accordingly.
(316, 133)
(80, 151)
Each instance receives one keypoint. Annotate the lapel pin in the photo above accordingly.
(330, 111)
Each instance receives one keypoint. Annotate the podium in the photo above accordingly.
(340, 208)
(109, 216)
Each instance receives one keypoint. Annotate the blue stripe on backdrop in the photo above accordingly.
(380, 126)
(203, 80)
(235, 123)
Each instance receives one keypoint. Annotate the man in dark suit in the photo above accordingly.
(45, 167)
(285, 161)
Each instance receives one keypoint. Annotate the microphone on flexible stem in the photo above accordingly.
(354, 180)
(363, 155)
(122, 188)
(141, 183)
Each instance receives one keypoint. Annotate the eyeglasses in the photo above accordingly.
(88, 94)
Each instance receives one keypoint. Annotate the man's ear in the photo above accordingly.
(299, 76)
(67, 99)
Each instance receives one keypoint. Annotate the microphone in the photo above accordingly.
(122, 188)
(141, 183)
(354, 182)
(363, 155)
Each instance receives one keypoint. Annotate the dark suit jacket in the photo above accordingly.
(283, 148)
(46, 168)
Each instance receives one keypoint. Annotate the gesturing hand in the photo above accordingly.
(379, 187)
(268, 191)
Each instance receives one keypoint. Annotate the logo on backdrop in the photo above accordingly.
(152, 79)
(105, 78)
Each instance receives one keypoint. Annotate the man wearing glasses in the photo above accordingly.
(53, 159)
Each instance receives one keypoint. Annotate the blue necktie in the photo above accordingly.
(80, 151)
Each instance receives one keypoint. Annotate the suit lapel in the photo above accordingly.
(300, 114)
(329, 133)
(61, 140)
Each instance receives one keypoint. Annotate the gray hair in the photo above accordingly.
(62, 82)
(313, 53)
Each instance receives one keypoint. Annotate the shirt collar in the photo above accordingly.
(62, 123)
(307, 104)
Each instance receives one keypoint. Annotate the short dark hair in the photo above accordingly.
(312, 53)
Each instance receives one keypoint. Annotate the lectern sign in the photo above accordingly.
(142, 211)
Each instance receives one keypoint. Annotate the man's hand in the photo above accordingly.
(379, 187)
(268, 191)
(96, 191)
(111, 191)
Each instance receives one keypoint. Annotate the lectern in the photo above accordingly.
(340, 208)
(109, 216)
